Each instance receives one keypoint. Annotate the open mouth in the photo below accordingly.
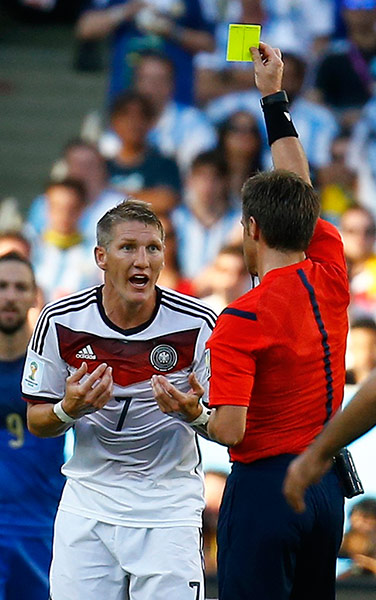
(139, 281)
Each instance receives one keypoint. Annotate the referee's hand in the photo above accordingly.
(268, 69)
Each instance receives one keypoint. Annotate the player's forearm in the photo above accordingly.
(227, 425)
(95, 24)
(42, 421)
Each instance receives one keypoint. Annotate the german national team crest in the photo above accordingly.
(163, 357)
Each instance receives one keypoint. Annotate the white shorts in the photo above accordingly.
(97, 561)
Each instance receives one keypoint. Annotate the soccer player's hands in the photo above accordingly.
(303, 471)
(83, 397)
(172, 400)
(268, 69)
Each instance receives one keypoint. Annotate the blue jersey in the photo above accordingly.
(31, 482)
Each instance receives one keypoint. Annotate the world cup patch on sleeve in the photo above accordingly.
(33, 374)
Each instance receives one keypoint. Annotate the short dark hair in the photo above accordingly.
(284, 206)
(156, 55)
(211, 158)
(299, 63)
(15, 234)
(128, 210)
(364, 323)
(17, 257)
(367, 506)
(71, 183)
(78, 142)
(362, 209)
(125, 99)
(233, 249)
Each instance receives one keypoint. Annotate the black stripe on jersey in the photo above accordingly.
(189, 301)
(66, 307)
(245, 314)
(199, 453)
(64, 311)
(199, 310)
(71, 300)
(324, 342)
(201, 316)
(39, 399)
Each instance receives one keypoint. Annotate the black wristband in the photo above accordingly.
(277, 117)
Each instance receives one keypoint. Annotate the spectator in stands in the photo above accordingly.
(303, 27)
(316, 124)
(358, 231)
(227, 277)
(240, 143)
(14, 241)
(170, 275)
(31, 481)
(361, 156)
(361, 350)
(215, 76)
(360, 362)
(138, 169)
(345, 77)
(359, 542)
(81, 161)
(63, 261)
(179, 131)
(205, 220)
(177, 27)
(337, 182)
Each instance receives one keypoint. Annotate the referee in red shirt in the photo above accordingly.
(276, 367)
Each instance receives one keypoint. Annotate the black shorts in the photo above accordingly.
(266, 551)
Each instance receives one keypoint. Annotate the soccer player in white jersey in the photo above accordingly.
(128, 525)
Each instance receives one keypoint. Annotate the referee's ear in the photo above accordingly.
(100, 255)
(254, 229)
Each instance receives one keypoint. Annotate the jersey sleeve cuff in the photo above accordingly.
(39, 399)
(227, 401)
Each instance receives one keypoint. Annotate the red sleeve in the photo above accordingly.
(326, 245)
(232, 362)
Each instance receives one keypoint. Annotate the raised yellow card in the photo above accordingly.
(240, 39)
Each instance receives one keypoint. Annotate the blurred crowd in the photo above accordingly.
(181, 128)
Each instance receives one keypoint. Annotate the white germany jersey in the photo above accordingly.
(132, 464)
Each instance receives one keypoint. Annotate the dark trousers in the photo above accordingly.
(268, 552)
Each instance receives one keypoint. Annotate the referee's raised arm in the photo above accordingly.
(287, 151)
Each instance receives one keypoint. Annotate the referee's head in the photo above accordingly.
(284, 207)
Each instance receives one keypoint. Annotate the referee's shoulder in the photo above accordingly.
(244, 308)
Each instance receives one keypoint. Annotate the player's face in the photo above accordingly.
(132, 262)
(17, 295)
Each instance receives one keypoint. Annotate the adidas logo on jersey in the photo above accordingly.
(86, 353)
